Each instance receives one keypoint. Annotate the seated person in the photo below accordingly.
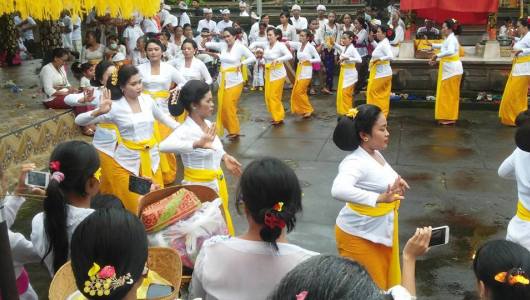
(428, 31)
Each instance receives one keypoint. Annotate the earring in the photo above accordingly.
(365, 139)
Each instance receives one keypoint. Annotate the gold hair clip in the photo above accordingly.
(114, 79)
(512, 278)
(352, 113)
(102, 281)
(278, 206)
(97, 174)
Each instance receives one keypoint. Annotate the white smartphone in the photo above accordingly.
(38, 179)
(439, 236)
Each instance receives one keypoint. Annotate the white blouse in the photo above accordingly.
(449, 47)
(516, 166)
(233, 268)
(172, 52)
(137, 58)
(329, 35)
(221, 25)
(360, 180)
(104, 139)
(162, 82)
(383, 51)
(362, 42)
(52, 80)
(211, 25)
(278, 53)
(352, 57)
(87, 54)
(522, 69)
(309, 53)
(398, 38)
(132, 126)
(181, 141)
(197, 70)
(288, 33)
(74, 216)
(232, 58)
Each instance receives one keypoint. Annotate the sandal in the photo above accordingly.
(277, 123)
(326, 91)
(233, 137)
(312, 92)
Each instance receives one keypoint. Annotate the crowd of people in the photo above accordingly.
(150, 100)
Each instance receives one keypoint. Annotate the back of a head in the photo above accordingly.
(109, 237)
(328, 277)
(522, 134)
(103, 201)
(192, 92)
(271, 192)
(497, 263)
(346, 135)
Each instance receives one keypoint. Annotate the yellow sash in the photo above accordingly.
(343, 68)
(371, 77)
(113, 127)
(268, 68)
(522, 212)
(158, 94)
(203, 175)
(220, 95)
(452, 58)
(394, 275)
(145, 157)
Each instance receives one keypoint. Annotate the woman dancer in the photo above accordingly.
(231, 82)
(275, 54)
(158, 78)
(199, 147)
(348, 74)
(449, 75)
(380, 80)
(307, 56)
(135, 115)
(367, 226)
(515, 96)
(190, 66)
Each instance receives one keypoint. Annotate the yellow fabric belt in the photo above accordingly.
(451, 58)
(340, 86)
(394, 276)
(220, 95)
(204, 175)
(268, 68)
(158, 94)
(113, 127)
(521, 59)
(522, 212)
(373, 68)
(145, 157)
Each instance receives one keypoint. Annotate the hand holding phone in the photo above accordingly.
(37, 179)
(439, 236)
(139, 185)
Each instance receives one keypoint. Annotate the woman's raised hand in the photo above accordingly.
(206, 140)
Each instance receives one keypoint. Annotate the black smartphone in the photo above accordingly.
(139, 185)
(439, 236)
(155, 291)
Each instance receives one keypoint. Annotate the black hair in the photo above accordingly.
(231, 30)
(327, 277)
(189, 41)
(522, 134)
(350, 34)
(124, 74)
(287, 15)
(206, 30)
(344, 15)
(362, 21)
(508, 19)
(166, 33)
(277, 33)
(192, 92)
(522, 118)
(101, 68)
(101, 201)
(78, 161)
(389, 33)
(264, 183)
(524, 22)
(499, 256)
(263, 16)
(186, 26)
(261, 24)
(78, 69)
(157, 42)
(109, 237)
(454, 26)
(308, 33)
(55, 53)
(347, 134)
(92, 33)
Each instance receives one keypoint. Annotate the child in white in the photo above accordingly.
(258, 79)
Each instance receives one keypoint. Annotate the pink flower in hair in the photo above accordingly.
(107, 272)
(302, 295)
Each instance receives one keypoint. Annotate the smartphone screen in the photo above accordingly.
(139, 185)
(158, 291)
(439, 236)
(37, 179)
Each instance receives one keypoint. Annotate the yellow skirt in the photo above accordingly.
(170, 175)
(300, 104)
(130, 200)
(448, 99)
(229, 110)
(274, 101)
(106, 181)
(514, 99)
(346, 103)
(375, 258)
(378, 93)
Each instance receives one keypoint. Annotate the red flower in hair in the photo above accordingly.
(272, 221)
(388, 32)
(55, 166)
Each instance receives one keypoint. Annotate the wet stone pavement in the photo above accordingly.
(452, 172)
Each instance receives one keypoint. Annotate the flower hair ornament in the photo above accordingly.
(302, 295)
(455, 24)
(272, 220)
(97, 174)
(55, 168)
(513, 277)
(114, 76)
(352, 113)
(102, 281)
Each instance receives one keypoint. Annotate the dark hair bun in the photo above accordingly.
(522, 137)
(344, 135)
